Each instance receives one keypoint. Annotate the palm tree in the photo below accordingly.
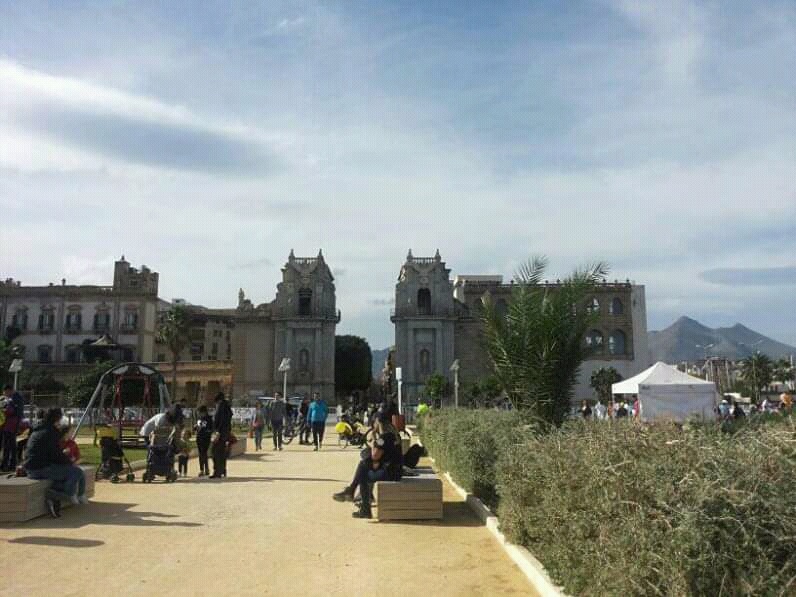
(757, 371)
(174, 332)
(538, 346)
(784, 372)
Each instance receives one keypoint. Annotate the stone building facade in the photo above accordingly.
(299, 324)
(54, 321)
(437, 320)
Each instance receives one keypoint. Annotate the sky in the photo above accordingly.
(208, 139)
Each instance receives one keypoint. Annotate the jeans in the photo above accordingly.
(182, 464)
(9, 451)
(317, 434)
(304, 431)
(258, 438)
(67, 479)
(365, 477)
(202, 448)
(276, 427)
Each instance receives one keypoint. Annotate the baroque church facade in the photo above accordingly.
(437, 320)
(298, 324)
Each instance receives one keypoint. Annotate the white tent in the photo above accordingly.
(666, 393)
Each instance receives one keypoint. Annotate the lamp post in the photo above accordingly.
(398, 376)
(455, 368)
(706, 347)
(15, 368)
(284, 367)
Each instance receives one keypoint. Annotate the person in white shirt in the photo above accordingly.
(600, 411)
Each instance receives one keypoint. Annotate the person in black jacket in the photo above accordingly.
(45, 459)
(222, 428)
(204, 431)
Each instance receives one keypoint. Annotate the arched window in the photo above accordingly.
(616, 308)
(617, 342)
(45, 353)
(501, 308)
(425, 361)
(304, 360)
(305, 302)
(424, 301)
(594, 340)
(593, 306)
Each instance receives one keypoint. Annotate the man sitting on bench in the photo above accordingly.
(382, 463)
(45, 459)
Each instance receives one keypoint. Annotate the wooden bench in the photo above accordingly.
(22, 498)
(411, 498)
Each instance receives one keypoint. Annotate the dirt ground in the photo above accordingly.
(271, 528)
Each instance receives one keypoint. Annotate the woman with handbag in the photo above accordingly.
(257, 426)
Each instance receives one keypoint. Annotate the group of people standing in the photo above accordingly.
(614, 410)
(311, 418)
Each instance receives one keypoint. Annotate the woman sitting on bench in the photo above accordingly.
(46, 460)
(382, 463)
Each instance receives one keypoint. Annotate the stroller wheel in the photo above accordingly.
(114, 478)
(172, 477)
(130, 477)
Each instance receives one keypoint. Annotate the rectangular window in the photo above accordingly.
(102, 322)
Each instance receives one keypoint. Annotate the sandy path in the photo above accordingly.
(270, 529)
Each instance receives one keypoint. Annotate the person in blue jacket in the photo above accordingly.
(317, 418)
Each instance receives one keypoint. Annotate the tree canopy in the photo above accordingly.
(352, 364)
(601, 381)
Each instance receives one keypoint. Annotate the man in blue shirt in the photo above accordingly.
(317, 418)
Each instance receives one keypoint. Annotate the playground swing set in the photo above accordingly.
(111, 410)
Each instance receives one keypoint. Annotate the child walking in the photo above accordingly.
(184, 450)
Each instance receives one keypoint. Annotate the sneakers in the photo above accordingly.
(347, 495)
(74, 500)
(315, 449)
(83, 499)
(54, 508)
(362, 513)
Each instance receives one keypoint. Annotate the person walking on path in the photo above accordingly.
(204, 431)
(304, 422)
(222, 429)
(277, 419)
(258, 423)
(45, 459)
(317, 415)
(13, 409)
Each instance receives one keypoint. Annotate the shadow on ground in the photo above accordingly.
(107, 514)
(57, 542)
(269, 480)
(454, 514)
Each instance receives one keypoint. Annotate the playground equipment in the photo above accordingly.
(107, 405)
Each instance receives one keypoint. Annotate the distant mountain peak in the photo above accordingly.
(686, 339)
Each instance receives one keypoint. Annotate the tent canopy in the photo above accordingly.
(660, 374)
(665, 393)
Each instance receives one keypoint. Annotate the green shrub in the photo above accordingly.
(466, 444)
(625, 509)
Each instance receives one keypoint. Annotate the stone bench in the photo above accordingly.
(22, 498)
(411, 498)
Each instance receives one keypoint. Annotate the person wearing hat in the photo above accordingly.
(382, 463)
(222, 428)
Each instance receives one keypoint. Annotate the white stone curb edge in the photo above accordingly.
(529, 565)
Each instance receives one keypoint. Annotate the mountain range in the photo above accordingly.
(688, 340)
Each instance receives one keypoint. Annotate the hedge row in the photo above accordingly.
(620, 508)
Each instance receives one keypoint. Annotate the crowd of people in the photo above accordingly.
(613, 410)
(309, 418)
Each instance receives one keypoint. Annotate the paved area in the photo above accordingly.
(270, 529)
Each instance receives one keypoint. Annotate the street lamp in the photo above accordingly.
(284, 367)
(455, 368)
(15, 368)
(708, 370)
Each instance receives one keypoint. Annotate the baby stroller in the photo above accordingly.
(350, 432)
(113, 459)
(160, 457)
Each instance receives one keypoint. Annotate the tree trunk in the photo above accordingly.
(174, 380)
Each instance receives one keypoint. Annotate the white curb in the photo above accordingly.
(530, 566)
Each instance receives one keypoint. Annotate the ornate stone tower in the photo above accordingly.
(305, 316)
(424, 318)
(299, 324)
